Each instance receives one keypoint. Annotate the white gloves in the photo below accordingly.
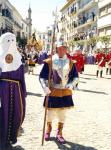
(47, 91)
(76, 80)
(72, 84)
(69, 86)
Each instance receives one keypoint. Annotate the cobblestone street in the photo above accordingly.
(88, 125)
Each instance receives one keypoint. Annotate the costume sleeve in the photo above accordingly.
(44, 74)
(73, 77)
(73, 74)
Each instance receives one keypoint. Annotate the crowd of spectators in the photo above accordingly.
(84, 35)
(84, 18)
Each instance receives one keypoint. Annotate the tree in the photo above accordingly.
(105, 39)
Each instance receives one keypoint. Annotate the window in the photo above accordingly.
(102, 11)
(101, 32)
(22, 25)
(40, 36)
(0, 7)
(68, 11)
(109, 7)
(43, 36)
(108, 30)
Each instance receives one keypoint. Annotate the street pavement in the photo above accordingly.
(88, 125)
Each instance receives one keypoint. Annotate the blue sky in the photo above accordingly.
(41, 11)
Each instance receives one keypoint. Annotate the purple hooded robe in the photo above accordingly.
(12, 111)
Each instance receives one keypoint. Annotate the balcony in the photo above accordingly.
(89, 22)
(18, 25)
(84, 35)
(87, 6)
(73, 11)
(7, 13)
(84, 21)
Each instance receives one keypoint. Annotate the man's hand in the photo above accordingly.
(47, 91)
(69, 86)
(76, 80)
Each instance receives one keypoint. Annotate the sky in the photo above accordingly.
(41, 11)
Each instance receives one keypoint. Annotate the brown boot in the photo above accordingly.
(59, 136)
(49, 129)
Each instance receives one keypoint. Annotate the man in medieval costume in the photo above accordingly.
(79, 59)
(100, 61)
(63, 76)
(12, 91)
(108, 63)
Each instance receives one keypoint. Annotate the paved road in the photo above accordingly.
(88, 126)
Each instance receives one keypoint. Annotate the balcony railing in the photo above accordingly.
(87, 6)
(84, 35)
(17, 24)
(7, 13)
(81, 5)
(85, 19)
(89, 22)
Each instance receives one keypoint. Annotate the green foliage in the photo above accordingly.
(105, 39)
(91, 41)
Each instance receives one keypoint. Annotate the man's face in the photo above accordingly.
(61, 51)
(9, 58)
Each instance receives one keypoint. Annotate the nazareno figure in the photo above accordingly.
(12, 91)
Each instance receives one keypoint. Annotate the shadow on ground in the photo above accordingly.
(97, 92)
(18, 148)
(71, 146)
(89, 74)
(93, 78)
(87, 78)
(82, 82)
(106, 78)
(34, 94)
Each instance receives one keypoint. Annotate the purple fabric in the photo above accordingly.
(42, 57)
(90, 60)
(56, 78)
(5, 95)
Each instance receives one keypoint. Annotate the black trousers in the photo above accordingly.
(0, 130)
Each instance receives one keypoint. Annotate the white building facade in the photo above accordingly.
(104, 19)
(42, 36)
(79, 19)
(12, 21)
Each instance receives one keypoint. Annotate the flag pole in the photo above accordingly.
(49, 80)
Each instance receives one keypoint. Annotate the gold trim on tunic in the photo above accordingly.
(60, 92)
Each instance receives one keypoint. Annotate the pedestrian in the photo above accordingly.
(100, 61)
(31, 60)
(12, 91)
(108, 58)
(63, 75)
(93, 16)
